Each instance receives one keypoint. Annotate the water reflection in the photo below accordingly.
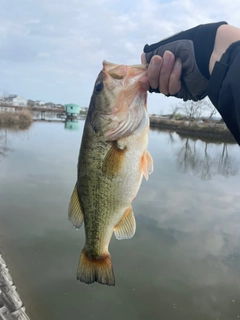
(202, 157)
(71, 124)
(48, 116)
(4, 148)
(183, 262)
(198, 158)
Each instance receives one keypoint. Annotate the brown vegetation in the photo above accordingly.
(212, 129)
(18, 119)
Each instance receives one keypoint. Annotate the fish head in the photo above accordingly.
(118, 102)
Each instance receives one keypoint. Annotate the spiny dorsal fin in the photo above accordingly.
(75, 214)
(147, 164)
(112, 163)
(126, 228)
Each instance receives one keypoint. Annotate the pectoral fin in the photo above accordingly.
(126, 228)
(147, 164)
(75, 214)
(113, 161)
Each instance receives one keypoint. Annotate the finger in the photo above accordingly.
(154, 71)
(166, 70)
(175, 77)
(144, 83)
(143, 59)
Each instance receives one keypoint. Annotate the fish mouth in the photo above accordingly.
(128, 78)
(126, 99)
(128, 74)
(129, 108)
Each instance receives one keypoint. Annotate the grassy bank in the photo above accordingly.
(18, 119)
(213, 130)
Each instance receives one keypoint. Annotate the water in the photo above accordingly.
(183, 262)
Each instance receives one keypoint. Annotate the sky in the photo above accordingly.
(52, 50)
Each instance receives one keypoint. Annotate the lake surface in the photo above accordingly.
(182, 263)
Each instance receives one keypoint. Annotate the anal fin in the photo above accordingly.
(126, 228)
(75, 214)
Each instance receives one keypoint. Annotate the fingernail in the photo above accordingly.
(167, 56)
(178, 63)
(154, 63)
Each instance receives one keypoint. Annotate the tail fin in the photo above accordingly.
(99, 270)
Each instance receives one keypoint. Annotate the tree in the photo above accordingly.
(196, 109)
(191, 109)
(174, 111)
(209, 108)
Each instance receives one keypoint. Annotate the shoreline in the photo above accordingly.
(212, 130)
(209, 129)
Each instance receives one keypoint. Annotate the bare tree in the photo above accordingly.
(194, 110)
(174, 110)
(191, 109)
(209, 108)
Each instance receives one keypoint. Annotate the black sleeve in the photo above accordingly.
(224, 88)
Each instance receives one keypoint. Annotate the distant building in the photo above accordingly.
(72, 110)
(2, 101)
(15, 100)
(39, 102)
(30, 103)
(49, 105)
(59, 106)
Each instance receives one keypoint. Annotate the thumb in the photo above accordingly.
(143, 59)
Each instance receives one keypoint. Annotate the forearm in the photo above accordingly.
(223, 89)
(225, 36)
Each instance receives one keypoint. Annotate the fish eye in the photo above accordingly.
(99, 87)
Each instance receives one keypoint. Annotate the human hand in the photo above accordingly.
(164, 74)
(179, 65)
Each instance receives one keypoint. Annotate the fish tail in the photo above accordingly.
(95, 269)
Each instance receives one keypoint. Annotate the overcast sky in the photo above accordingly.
(52, 50)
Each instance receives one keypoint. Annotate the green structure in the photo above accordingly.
(72, 110)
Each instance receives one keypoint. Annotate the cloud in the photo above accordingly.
(44, 54)
(77, 36)
(33, 21)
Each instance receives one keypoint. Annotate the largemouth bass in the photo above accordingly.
(112, 161)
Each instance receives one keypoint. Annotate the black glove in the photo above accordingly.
(194, 47)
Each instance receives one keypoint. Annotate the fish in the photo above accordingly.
(112, 161)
